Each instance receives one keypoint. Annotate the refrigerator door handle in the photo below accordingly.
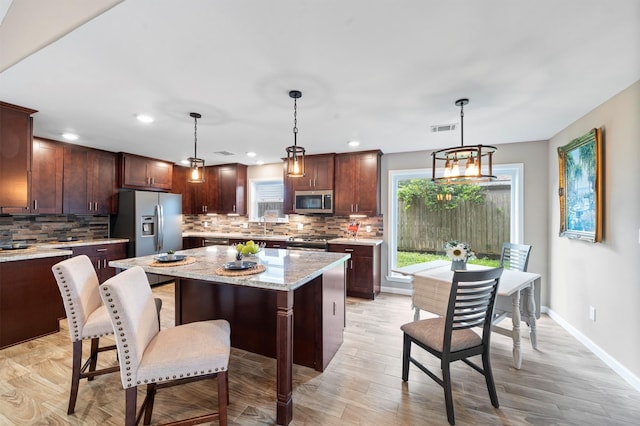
(160, 226)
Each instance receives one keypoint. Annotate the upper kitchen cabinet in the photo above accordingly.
(197, 198)
(319, 175)
(15, 157)
(357, 178)
(232, 189)
(89, 181)
(137, 172)
(46, 177)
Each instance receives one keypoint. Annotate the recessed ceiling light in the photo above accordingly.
(144, 118)
(353, 143)
(259, 162)
(251, 154)
(70, 136)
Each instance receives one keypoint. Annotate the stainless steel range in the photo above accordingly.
(309, 242)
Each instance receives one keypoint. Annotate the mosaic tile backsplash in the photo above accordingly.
(51, 228)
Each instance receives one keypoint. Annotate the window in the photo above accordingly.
(424, 229)
(266, 200)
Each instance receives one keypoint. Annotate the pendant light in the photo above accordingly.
(474, 157)
(295, 153)
(196, 165)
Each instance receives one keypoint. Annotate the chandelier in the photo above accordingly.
(295, 153)
(477, 159)
(196, 165)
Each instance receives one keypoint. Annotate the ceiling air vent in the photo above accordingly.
(443, 128)
(224, 153)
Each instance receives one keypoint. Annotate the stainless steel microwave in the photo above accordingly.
(313, 202)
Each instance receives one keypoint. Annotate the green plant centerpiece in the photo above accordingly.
(171, 254)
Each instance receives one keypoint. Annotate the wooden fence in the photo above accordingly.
(483, 226)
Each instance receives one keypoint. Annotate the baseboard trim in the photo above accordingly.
(396, 290)
(620, 369)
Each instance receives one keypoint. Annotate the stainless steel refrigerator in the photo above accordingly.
(152, 221)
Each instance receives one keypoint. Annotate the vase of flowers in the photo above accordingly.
(459, 253)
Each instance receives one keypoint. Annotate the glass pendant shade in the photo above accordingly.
(295, 153)
(196, 165)
(196, 170)
(479, 160)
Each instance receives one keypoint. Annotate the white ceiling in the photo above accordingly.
(380, 72)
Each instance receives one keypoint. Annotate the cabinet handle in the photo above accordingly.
(96, 206)
(356, 208)
(153, 181)
(234, 208)
(350, 264)
(348, 249)
(276, 246)
(104, 263)
(334, 308)
(35, 204)
(101, 249)
(97, 264)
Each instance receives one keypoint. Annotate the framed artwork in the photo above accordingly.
(581, 186)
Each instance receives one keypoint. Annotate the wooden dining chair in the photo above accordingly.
(169, 357)
(451, 338)
(87, 318)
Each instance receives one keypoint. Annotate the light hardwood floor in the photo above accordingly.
(562, 383)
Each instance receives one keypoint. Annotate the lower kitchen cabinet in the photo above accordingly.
(30, 302)
(363, 269)
(100, 255)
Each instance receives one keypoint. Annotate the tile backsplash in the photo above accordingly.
(51, 228)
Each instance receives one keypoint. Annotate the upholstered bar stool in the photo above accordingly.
(87, 318)
(169, 357)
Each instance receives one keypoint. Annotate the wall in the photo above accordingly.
(603, 275)
(533, 156)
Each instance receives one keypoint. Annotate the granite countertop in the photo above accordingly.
(358, 242)
(235, 235)
(285, 270)
(52, 249)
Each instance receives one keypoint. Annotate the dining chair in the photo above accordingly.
(515, 256)
(451, 338)
(169, 357)
(87, 319)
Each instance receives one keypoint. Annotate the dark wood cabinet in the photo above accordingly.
(232, 189)
(30, 302)
(100, 255)
(357, 180)
(363, 269)
(205, 195)
(319, 175)
(192, 242)
(138, 172)
(89, 181)
(15, 157)
(46, 177)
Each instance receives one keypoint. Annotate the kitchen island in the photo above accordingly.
(260, 307)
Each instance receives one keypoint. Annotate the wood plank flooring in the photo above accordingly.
(562, 383)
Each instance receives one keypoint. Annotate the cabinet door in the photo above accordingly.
(46, 177)
(323, 171)
(345, 185)
(15, 158)
(160, 174)
(75, 188)
(232, 185)
(367, 182)
(134, 171)
(102, 178)
(205, 195)
(100, 255)
(360, 277)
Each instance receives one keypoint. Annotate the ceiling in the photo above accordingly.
(379, 72)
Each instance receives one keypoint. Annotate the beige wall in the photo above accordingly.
(603, 275)
(533, 156)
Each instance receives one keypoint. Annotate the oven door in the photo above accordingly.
(306, 246)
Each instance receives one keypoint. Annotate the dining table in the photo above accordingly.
(431, 286)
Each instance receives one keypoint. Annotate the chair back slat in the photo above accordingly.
(515, 256)
(471, 301)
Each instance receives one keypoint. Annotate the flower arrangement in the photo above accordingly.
(457, 250)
